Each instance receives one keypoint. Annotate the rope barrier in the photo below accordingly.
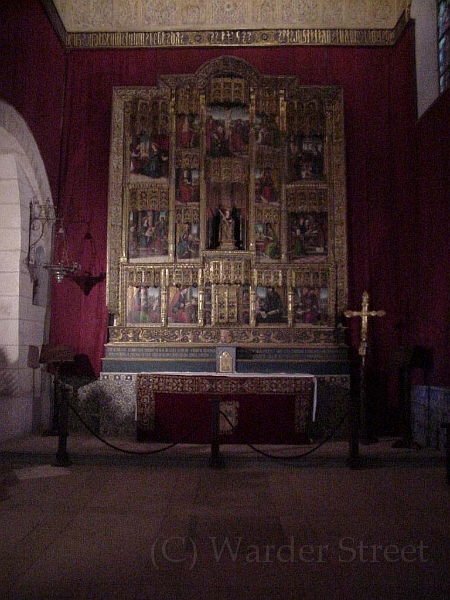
(118, 448)
(294, 456)
(173, 444)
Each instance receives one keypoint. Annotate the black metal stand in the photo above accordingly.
(54, 429)
(360, 426)
(62, 457)
(355, 412)
(446, 426)
(405, 416)
(354, 459)
(215, 461)
(366, 422)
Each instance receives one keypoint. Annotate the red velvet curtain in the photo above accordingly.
(386, 217)
(429, 288)
(380, 120)
(379, 160)
(32, 72)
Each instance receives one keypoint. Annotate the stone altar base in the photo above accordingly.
(112, 399)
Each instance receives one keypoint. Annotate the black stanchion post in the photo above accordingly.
(216, 460)
(364, 426)
(354, 459)
(62, 457)
(362, 423)
(446, 426)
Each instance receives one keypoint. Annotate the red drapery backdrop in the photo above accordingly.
(396, 211)
(429, 288)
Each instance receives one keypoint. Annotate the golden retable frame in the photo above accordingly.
(274, 250)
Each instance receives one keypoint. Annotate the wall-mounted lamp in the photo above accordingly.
(41, 214)
(42, 219)
(61, 267)
(86, 279)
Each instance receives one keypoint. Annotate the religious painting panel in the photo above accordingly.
(305, 157)
(148, 234)
(188, 241)
(227, 131)
(187, 185)
(270, 305)
(188, 131)
(149, 156)
(308, 236)
(149, 138)
(311, 305)
(267, 131)
(183, 305)
(267, 241)
(143, 305)
(267, 185)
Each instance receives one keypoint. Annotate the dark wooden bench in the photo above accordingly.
(446, 426)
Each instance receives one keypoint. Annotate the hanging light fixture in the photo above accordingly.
(42, 219)
(44, 216)
(85, 278)
(61, 267)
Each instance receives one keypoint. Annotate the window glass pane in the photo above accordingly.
(443, 15)
(444, 42)
(444, 81)
(444, 18)
(444, 53)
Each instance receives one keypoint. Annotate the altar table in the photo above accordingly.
(275, 408)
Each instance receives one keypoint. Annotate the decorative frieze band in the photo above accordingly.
(163, 24)
(230, 37)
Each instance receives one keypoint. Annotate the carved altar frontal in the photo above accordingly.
(115, 398)
(226, 218)
(176, 407)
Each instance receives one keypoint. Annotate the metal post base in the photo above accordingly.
(216, 461)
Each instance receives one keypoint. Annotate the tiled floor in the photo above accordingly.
(167, 526)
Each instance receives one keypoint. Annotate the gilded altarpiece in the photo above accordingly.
(227, 212)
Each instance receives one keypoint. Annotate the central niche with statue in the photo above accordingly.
(227, 211)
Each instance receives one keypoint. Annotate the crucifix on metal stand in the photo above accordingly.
(358, 416)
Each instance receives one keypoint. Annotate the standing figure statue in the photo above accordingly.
(226, 229)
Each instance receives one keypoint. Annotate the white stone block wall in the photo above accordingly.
(22, 179)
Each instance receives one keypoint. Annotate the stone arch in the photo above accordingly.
(23, 179)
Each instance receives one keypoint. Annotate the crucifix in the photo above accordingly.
(357, 421)
(364, 313)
